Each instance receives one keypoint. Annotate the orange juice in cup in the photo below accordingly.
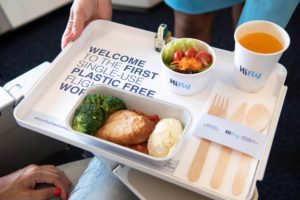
(258, 47)
(261, 42)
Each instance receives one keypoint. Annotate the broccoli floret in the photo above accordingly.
(93, 98)
(111, 104)
(88, 118)
(93, 111)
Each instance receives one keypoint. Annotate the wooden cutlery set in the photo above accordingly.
(255, 117)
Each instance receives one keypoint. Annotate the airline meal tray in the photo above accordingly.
(124, 58)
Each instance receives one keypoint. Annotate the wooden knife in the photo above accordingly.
(225, 153)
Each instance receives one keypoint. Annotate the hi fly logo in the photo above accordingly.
(233, 134)
(180, 84)
(250, 73)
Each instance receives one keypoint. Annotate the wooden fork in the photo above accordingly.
(218, 108)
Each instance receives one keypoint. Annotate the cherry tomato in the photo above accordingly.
(191, 52)
(178, 55)
(154, 118)
(142, 147)
(204, 57)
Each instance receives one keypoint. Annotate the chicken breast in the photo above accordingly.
(126, 127)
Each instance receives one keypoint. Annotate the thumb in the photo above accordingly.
(43, 194)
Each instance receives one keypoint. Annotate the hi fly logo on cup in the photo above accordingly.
(180, 84)
(250, 73)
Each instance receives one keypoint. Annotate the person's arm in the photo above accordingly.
(22, 183)
(83, 12)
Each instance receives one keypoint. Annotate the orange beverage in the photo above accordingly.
(261, 42)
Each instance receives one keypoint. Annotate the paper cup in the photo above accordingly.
(188, 84)
(253, 69)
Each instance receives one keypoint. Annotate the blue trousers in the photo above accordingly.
(98, 183)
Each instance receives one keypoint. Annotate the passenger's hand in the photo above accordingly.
(82, 13)
(22, 183)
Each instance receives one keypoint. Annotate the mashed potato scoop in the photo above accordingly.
(164, 137)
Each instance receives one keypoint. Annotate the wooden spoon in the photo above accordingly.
(257, 118)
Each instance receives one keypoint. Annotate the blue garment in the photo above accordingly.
(200, 6)
(99, 183)
(277, 11)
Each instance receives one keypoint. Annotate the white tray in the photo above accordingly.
(47, 105)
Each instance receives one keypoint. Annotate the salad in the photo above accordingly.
(186, 56)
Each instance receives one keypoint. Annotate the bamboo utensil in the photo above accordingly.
(224, 156)
(257, 118)
(218, 108)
